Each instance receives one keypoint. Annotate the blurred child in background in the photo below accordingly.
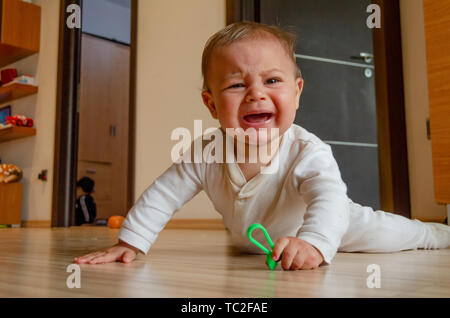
(85, 208)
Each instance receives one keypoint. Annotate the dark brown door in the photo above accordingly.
(334, 52)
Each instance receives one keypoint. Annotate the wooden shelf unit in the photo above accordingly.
(11, 203)
(20, 25)
(16, 91)
(20, 30)
(12, 133)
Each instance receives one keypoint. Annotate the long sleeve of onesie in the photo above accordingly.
(325, 194)
(167, 194)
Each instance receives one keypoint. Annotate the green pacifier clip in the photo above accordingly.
(270, 262)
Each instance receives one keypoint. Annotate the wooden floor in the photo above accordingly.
(199, 263)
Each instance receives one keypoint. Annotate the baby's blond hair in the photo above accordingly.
(247, 30)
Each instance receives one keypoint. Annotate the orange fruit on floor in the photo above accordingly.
(115, 221)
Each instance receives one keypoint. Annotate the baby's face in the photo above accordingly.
(252, 83)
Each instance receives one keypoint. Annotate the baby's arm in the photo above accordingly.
(156, 206)
(167, 194)
(327, 216)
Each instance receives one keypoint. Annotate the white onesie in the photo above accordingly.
(305, 197)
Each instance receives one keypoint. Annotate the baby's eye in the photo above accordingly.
(272, 80)
(237, 85)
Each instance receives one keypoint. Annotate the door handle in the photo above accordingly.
(112, 130)
(367, 57)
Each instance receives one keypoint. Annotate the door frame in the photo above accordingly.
(66, 123)
(389, 93)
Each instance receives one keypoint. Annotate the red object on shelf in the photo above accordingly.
(19, 120)
(8, 75)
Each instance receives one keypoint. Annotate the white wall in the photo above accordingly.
(171, 37)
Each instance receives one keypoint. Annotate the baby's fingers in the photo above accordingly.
(280, 245)
(86, 258)
(107, 257)
(128, 256)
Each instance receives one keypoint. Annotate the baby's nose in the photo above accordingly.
(255, 95)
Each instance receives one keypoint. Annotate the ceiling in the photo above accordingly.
(122, 3)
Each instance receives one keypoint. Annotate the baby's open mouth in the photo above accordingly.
(258, 118)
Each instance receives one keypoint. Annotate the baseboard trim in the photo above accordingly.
(37, 224)
(178, 224)
(195, 224)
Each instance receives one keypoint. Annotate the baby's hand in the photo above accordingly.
(120, 252)
(297, 254)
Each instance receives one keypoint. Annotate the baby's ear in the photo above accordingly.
(209, 103)
(299, 86)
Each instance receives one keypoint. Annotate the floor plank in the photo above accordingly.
(202, 263)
